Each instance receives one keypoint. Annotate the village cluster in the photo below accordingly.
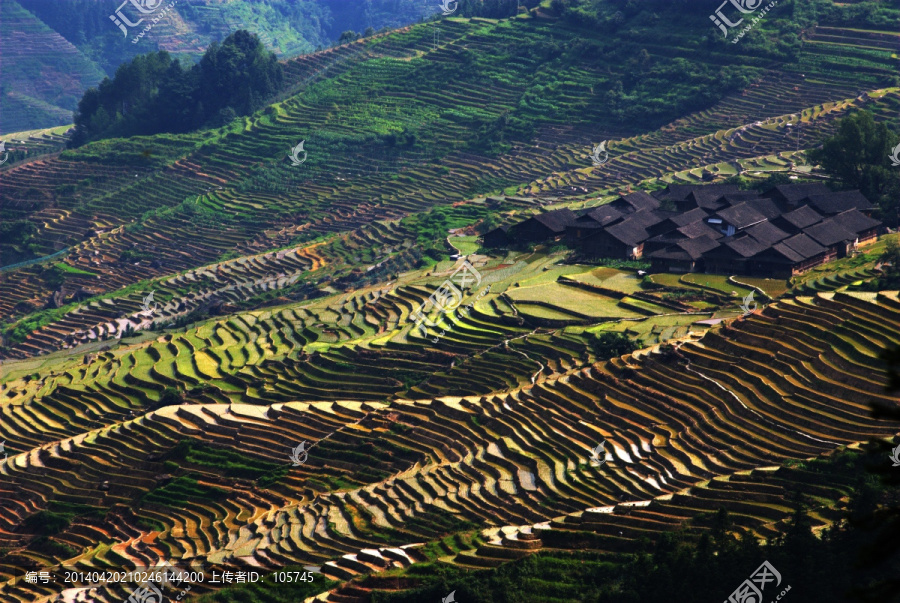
(714, 228)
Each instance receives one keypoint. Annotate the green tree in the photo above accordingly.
(348, 36)
(859, 156)
(154, 93)
(487, 225)
(239, 74)
(891, 255)
(610, 345)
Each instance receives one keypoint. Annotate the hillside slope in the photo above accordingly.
(44, 75)
(54, 50)
(451, 121)
(181, 313)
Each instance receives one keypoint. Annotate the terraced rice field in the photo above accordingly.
(85, 204)
(579, 302)
(690, 431)
(142, 431)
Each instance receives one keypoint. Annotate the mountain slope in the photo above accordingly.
(44, 75)
(385, 475)
(211, 306)
(38, 71)
(450, 122)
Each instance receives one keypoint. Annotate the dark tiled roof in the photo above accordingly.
(802, 217)
(740, 216)
(744, 245)
(633, 202)
(739, 197)
(674, 192)
(797, 192)
(707, 200)
(556, 220)
(676, 220)
(699, 229)
(689, 217)
(835, 203)
(632, 230)
(690, 231)
(605, 214)
(766, 207)
(692, 249)
(680, 192)
(697, 247)
(829, 232)
(767, 233)
(661, 220)
(855, 221)
(586, 225)
(803, 246)
(786, 252)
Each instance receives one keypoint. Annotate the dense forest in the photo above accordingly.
(154, 93)
(857, 157)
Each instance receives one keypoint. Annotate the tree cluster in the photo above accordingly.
(154, 93)
(858, 156)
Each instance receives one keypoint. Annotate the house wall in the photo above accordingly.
(811, 263)
(495, 239)
(844, 249)
(726, 265)
(673, 266)
(604, 246)
(868, 237)
(531, 231)
(637, 252)
(763, 268)
(579, 232)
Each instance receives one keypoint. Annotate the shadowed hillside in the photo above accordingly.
(225, 349)
(55, 49)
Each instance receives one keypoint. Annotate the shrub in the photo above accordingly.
(611, 345)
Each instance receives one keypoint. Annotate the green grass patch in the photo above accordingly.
(226, 462)
(72, 269)
(180, 491)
